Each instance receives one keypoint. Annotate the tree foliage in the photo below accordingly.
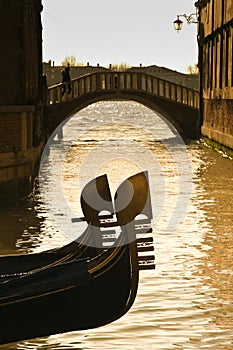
(70, 60)
(120, 67)
(192, 69)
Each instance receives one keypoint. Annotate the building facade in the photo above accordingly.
(54, 75)
(21, 52)
(188, 80)
(216, 65)
(21, 97)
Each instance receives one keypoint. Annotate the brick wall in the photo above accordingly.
(218, 114)
(218, 121)
(9, 132)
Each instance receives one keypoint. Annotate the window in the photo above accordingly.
(223, 11)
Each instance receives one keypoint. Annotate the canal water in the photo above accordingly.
(187, 301)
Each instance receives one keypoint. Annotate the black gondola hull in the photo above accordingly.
(83, 302)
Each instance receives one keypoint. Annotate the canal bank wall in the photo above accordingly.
(218, 123)
(21, 145)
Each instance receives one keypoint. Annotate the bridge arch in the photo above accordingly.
(178, 104)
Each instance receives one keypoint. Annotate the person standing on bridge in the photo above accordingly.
(65, 79)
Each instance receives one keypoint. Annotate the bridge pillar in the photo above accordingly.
(22, 132)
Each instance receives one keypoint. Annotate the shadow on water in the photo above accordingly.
(20, 227)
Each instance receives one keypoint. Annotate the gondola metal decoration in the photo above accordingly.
(87, 283)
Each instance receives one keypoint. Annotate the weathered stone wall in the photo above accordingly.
(9, 132)
(12, 47)
(216, 59)
(21, 95)
(17, 154)
(218, 122)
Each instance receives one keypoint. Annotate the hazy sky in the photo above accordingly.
(130, 31)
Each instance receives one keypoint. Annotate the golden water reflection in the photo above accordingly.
(186, 303)
(216, 269)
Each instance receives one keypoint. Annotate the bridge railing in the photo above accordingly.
(122, 81)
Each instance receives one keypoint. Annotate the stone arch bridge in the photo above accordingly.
(179, 104)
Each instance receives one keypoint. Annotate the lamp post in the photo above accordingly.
(178, 24)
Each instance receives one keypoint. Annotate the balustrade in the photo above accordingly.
(123, 81)
(134, 81)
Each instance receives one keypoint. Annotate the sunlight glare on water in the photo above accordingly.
(186, 303)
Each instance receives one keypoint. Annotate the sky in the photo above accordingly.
(123, 31)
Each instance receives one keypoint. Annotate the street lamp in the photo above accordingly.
(178, 24)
